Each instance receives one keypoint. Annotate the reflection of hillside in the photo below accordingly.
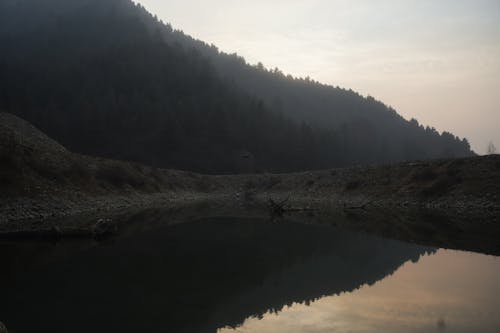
(196, 277)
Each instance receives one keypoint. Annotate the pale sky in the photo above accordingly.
(435, 60)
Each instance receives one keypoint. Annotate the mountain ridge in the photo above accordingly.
(108, 79)
(228, 63)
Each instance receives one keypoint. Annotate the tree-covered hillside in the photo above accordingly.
(104, 77)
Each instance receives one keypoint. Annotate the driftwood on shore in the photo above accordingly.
(362, 206)
(278, 208)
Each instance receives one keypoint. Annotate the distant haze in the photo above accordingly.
(436, 61)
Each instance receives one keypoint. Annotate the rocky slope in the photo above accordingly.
(41, 181)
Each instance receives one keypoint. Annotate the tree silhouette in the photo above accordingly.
(491, 148)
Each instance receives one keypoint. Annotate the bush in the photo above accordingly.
(78, 173)
(271, 181)
(425, 175)
(441, 186)
(118, 176)
(352, 185)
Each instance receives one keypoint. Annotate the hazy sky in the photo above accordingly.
(435, 60)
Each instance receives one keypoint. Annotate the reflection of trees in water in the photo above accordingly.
(333, 262)
(198, 277)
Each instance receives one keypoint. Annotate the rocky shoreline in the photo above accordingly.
(46, 189)
(75, 214)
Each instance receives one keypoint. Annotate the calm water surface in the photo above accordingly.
(447, 291)
(246, 275)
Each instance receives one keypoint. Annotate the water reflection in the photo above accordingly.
(213, 273)
(448, 291)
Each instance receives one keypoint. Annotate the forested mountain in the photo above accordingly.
(105, 77)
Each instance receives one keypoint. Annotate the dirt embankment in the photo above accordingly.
(465, 186)
(42, 181)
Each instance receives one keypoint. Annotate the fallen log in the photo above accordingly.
(363, 206)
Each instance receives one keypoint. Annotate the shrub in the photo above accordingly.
(271, 181)
(425, 175)
(441, 186)
(352, 185)
(118, 176)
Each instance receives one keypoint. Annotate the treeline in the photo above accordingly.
(391, 137)
(106, 78)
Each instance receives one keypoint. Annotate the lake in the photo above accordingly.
(229, 275)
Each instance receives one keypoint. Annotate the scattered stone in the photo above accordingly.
(55, 232)
(104, 228)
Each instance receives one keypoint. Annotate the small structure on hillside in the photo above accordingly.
(245, 162)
